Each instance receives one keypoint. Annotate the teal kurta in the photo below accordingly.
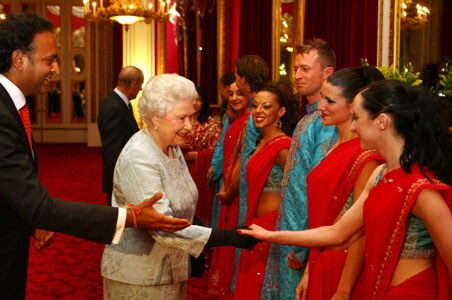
(217, 172)
(311, 141)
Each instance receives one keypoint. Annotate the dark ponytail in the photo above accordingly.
(418, 118)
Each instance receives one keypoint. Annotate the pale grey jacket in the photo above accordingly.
(149, 257)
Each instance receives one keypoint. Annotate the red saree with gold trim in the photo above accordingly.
(223, 259)
(328, 187)
(203, 139)
(252, 263)
(385, 216)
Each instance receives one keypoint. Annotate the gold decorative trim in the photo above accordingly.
(276, 45)
(388, 23)
(395, 32)
(380, 32)
(298, 34)
(301, 17)
(161, 47)
(221, 43)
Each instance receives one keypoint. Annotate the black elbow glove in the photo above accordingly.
(230, 237)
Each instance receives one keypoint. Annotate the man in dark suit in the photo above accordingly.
(116, 122)
(28, 56)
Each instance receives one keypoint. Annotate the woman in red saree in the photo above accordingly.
(198, 153)
(405, 208)
(275, 112)
(223, 259)
(330, 194)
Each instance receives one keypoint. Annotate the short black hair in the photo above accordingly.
(17, 32)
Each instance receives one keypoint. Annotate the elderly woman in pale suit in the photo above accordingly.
(151, 264)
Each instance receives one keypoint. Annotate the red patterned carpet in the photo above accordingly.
(70, 268)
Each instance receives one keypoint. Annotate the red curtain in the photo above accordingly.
(233, 16)
(172, 55)
(206, 34)
(256, 29)
(208, 62)
(349, 26)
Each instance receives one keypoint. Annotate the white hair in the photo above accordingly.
(162, 92)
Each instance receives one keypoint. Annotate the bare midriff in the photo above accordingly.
(267, 203)
(407, 268)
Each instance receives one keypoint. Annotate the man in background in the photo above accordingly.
(116, 122)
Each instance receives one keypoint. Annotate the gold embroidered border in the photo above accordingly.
(397, 233)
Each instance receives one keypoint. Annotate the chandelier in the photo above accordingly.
(414, 15)
(127, 12)
(2, 14)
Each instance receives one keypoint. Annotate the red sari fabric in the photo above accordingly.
(422, 286)
(385, 214)
(203, 140)
(223, 259)
(257, 170)
(252, 264)
(328, 187)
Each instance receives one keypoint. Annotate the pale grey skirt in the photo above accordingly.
(116, 290)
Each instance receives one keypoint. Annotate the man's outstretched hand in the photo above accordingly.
(151, 219)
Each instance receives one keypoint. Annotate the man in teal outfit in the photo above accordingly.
(314, 62)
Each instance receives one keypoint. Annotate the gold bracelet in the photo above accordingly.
(135, 212)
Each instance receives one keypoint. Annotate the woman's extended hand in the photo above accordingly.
(256, 232)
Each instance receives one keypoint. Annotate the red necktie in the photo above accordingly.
(24, 113)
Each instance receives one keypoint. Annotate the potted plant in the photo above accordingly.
(405, 73)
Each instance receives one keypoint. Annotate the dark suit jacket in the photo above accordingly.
(25, 205)
(116, 125)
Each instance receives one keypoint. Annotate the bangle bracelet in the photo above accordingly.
(135, 212)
